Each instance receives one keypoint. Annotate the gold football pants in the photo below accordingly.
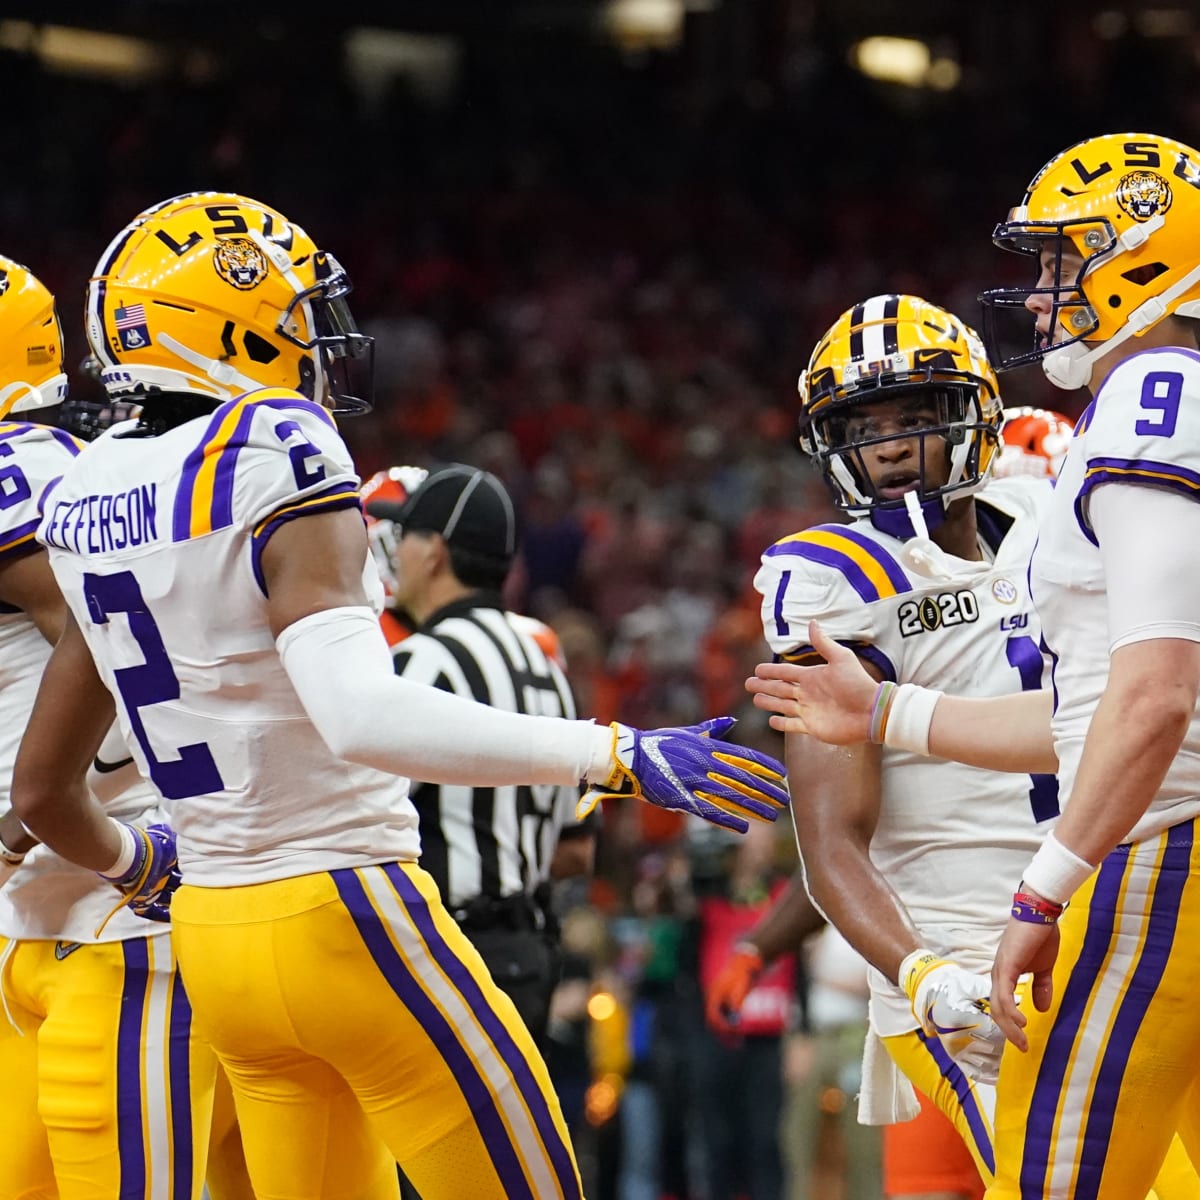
(352, 1015)
(105, 1092)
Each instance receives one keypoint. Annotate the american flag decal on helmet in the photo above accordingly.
(131, 326)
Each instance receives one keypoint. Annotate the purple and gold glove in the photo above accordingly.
(687, 769)
(151, 880)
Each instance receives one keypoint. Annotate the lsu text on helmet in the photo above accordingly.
(1035, 442)
(888, 348)
(1129, 205)
(31, 343)
(211, 295)
(383, 496)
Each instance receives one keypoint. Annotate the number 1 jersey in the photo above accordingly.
(157, 545)
(952, 840)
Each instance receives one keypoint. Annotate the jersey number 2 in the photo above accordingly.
(1023, 653)
(193, 772)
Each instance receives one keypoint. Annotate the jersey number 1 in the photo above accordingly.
(193, 772)
(1023, 653)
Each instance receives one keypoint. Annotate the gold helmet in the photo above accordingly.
(31, 343)
(884, 348)
(1129, 205)
(212, 294)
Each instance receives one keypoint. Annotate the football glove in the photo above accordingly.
(150, 882)
(951, 1004)
(727, 993)
(688, 769)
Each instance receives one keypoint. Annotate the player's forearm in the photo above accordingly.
(862, 906)
(998, 733)
(70, 821)
(789, 920)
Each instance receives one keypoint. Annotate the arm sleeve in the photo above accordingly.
(339, 664)
(1152, 581)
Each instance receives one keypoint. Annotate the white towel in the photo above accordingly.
(886, 1098)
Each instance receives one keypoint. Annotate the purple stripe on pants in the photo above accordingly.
(457, 1058)
(953, 1074)
(179, 1075)
(1147, 975)
(1043, 1107)
(130, 1142)
(514, 1059)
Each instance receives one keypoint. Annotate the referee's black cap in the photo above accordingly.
(468, 506)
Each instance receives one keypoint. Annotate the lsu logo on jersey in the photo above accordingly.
(942, 611)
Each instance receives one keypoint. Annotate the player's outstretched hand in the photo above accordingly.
(831, 701)
(151, 881)
(688, 769)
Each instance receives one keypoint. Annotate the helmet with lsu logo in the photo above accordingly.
(31, 342)
(211, 295)
(1035, 442)
(1129, 205)
(892, 348)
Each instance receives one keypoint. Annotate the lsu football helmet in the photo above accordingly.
(886, 348)
(31, 343)
(1129, 205)
(1035, 442)
(211, 295)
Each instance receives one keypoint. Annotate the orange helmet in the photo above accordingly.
(383, 495)
(1035, 442)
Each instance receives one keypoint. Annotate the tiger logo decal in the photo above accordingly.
(240, 262)
(1142, 194)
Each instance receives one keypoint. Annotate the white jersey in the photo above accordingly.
(157, 545)
(48, 898)
(1143, 428)
(952, 840)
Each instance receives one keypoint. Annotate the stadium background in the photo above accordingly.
(596, 240)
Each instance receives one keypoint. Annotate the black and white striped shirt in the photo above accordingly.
(488, 841)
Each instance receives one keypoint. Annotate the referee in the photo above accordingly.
(492, 851)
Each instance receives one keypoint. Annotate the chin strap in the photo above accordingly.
(221, 373)
(924, 557)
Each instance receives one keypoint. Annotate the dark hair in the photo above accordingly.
(475, 570)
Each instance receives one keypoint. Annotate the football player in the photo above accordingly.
(215, 563)
(909, 859)
(106, 1092)
(1108, 1049)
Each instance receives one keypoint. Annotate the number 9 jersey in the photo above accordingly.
(139, 531)
(1142, 429)
(952, 840)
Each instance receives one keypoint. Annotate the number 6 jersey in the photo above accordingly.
(952, 840)
(142, 532)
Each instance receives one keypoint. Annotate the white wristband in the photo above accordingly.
(909, 718)
(1056, 872)
(129, 849)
